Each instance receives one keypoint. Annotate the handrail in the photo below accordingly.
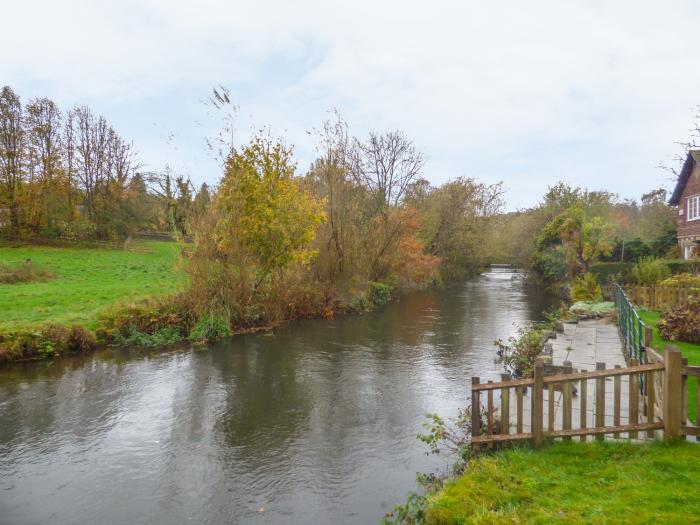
(632, 328)
(577, 376)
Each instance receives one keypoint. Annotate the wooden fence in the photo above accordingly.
(660, 406)
(660, 297)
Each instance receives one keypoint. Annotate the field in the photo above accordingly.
(576, 483)
(87, 281)
(689, 350)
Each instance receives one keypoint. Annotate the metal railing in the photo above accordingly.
(633, 331)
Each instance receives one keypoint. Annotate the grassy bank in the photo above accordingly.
(87, 280)
(575, 483)
(689, 350)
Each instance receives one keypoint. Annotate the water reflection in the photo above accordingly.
(314, 424)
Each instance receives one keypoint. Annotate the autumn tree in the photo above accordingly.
(11, 155)
(260, 223)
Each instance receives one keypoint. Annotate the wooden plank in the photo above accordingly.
(537, 404)
(566, 409)
(476, 409)
(519, 410)
(653, 356)
(617, 396)
(499, 438)
(672, 393)
(560, 378)
(611, 372)
(505, 405)
(494, 386)
(604, 430)
(690, 430)
(550, 406)
(590, 431)
(583, 400)
(633, 398)
(651, 401)
(600, 400)
(684, 394)
(692, 370)
(489, 411)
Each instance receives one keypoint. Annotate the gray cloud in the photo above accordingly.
(594, 93)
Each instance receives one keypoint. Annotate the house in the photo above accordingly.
(686, 196)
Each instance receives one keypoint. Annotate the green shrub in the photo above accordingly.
(586, 288)
(684, 266)
(359, 303)
(682, 323)
(210, 328)
(25, 272)
(378, 293)
(518, 354)
(685, 280)
(164, 336)
(649, 271)
(608, 271)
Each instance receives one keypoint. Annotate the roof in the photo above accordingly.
(688, 165)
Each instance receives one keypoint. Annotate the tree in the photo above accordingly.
(265, 212)
(11, 154)
(389, 163)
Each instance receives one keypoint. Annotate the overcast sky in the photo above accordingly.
(595, 93)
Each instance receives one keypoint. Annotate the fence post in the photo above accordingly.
(673, 401)
(505, 405)
(476, 409)
(537, 403)
(648, 337)
(600, 400)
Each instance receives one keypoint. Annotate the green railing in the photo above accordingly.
(631, 326)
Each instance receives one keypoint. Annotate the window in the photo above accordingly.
(694, 208)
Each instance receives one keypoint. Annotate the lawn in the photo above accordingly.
(87, 281)
(689, 350)
(605, 482)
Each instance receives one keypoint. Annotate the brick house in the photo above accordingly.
(686, 196)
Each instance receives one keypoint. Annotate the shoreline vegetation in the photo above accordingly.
(268, 243)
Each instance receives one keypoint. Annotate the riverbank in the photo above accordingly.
(604, 482)
(62, 313)
(95, 297)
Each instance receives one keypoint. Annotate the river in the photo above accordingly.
(315, 423)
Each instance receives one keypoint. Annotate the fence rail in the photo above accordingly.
(636, 336)
(660, 406)
(660, 297)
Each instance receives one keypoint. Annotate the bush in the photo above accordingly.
(146, 318)
(25, 272)
(518, 354)
(210, 328)
(685, 280)
(164, 336)
(649, 271)
(586, 288)
(378, 293)
(607, 271)
(683, 266)
(682, 323)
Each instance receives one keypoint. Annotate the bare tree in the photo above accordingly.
(43, 129)
(388, 165)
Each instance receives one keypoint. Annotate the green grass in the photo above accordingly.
(576, 483)
(689, 350)
(87, 281)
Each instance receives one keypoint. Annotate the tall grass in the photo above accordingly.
(24, 272)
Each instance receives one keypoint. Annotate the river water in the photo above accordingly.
(315, 423)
